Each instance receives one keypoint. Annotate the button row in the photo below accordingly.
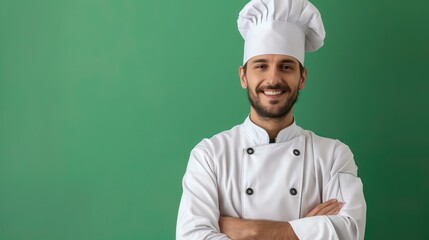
(250, 151)
(292, 191)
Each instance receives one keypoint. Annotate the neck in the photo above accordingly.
(272, 125)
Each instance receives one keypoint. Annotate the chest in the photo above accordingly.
(273, 181)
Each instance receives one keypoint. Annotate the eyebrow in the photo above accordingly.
(262, 60)
(288, 61)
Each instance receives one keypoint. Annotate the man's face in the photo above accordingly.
(272, 82)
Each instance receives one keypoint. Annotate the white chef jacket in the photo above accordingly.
(238, 173)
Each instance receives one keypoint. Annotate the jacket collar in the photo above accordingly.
(260, 136)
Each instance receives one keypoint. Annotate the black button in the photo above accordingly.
(296, 152)
(249, 191)
(293, 191)
(250, 151)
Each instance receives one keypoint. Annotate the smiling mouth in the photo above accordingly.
(273, 92)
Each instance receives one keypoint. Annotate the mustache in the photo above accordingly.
(278, 86)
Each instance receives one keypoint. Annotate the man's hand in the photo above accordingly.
(330, 207)
(237, 229)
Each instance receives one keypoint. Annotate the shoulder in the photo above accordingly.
(332, 152)
(327, 144)
(209, 151)
(221, 140)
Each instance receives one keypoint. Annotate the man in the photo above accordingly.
(268, 178)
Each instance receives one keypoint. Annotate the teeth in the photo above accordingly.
(272, 93)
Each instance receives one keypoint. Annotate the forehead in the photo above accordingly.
(273, 58)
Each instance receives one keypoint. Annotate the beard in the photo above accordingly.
(272, 112)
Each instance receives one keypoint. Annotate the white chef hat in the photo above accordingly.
(289, 27)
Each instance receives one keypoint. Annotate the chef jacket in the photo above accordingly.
(238, 173)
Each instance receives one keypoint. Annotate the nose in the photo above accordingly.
(274, 76)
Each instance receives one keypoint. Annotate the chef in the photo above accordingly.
(268, 178)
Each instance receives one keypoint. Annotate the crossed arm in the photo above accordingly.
(200, 217)
(237, 229)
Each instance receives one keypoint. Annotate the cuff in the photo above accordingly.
(313, 228)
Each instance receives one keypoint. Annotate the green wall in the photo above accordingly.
(102, 101)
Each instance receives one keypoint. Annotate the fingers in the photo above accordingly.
(319, 207)
(330, 207)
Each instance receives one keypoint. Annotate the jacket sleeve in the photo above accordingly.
(344, 185)
(198, 216)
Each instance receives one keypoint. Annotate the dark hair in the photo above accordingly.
(301, 68)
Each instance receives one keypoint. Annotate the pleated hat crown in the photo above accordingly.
(288, 27)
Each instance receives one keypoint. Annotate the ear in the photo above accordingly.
(242, 76)
(303, 79)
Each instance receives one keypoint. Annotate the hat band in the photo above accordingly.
(276, 37)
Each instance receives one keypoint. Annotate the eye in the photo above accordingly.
(261, 66)
(286, 67)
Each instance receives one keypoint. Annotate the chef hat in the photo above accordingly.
(289, 27)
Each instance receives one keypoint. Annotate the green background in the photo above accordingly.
(102, 101)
